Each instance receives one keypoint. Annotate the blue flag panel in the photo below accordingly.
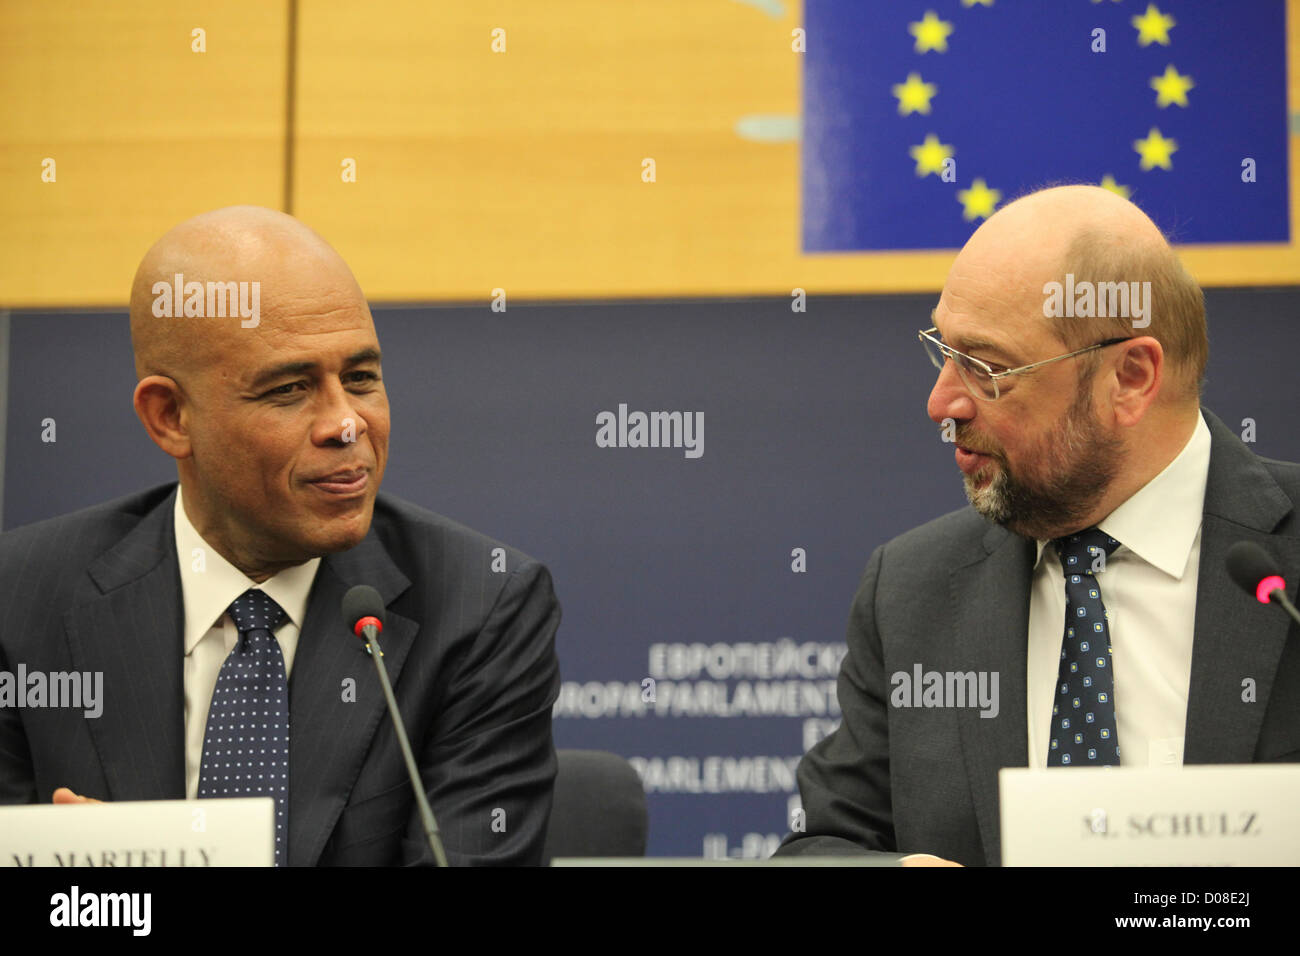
(922, 118)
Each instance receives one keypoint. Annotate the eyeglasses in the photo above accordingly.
(981, 381)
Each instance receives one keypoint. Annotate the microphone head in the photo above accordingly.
(1250, 566)
(360, 602)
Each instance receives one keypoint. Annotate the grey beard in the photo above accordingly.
(1082, 464)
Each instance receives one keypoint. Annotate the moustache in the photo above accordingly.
(964, 442)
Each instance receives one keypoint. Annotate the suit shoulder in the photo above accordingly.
(939, 536)
(402, 524)
(1285, 473)
(1287, 476)
(911, 560)
(85, 533)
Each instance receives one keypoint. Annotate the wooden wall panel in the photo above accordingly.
(144, 133)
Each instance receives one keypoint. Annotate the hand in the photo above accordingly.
(64, 795)
(926, 859)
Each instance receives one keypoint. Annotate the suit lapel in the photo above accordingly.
(131, 632)
(990, 603)
(328, 738)
(1235, 637)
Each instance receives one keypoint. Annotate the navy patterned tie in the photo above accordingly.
(1083, 717)
(246, 743)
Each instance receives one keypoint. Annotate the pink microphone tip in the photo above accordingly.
(1267, 586)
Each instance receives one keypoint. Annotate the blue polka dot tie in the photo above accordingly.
(1083, 716)
(246, 743)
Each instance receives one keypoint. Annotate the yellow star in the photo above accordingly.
(976, 3)
(1108, 182)
(930, 155)
(931, 33)
(1155, 150)
(1153, 26)
(914, 96)
(978, 201)
(1172, 87)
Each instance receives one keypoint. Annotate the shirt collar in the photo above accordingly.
(1160, 521)
(207, 593)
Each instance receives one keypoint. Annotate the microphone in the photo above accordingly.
(1257, 574)
(363, 613)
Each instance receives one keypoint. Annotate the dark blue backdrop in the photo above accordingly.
(815, 437)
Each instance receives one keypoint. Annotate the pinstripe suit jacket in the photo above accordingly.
(897, 781)
(470, 653)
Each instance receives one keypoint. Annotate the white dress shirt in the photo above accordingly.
(1149, 589)
(209, 585)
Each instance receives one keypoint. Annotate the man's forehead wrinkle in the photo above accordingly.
(287, 332)
(992, 298)
(975, 314)
(286, 345)
(302, 303)
(995, 274)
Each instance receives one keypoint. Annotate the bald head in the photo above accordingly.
(1099, 238)
(237, 244)
(1040, 227)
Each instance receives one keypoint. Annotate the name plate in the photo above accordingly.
(1221, 815)
(226, 832)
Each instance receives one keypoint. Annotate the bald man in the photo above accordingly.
(260, 374)
(1080, 604)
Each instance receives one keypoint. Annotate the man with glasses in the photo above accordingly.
(1088, 575)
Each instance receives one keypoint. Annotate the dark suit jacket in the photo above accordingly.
(470, 653)
(953, 595)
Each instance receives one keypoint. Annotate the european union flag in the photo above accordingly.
(921, 118)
